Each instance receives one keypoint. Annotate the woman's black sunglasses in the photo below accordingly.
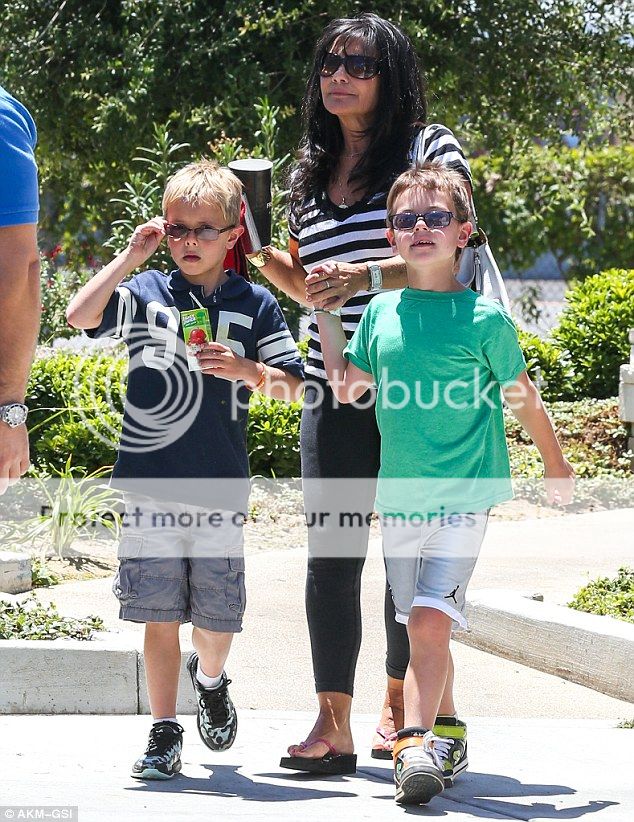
(361, 66)
(407, 220)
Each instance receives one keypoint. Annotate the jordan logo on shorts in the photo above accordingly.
(452, 595)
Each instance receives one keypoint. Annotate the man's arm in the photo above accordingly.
(348, 382)
(20, 311)
(526, 404)
(20, 308)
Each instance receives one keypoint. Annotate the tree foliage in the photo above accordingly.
(99, 75)
(576, 203)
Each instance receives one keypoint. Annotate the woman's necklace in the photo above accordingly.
(342, 193)
(339, 180)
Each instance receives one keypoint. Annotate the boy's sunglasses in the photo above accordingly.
(432, 219)
(177, 231)
(361, 66)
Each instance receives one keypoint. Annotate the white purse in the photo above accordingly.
(479, 270)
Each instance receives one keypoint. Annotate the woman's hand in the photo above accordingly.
(221, 361)
(332, 283)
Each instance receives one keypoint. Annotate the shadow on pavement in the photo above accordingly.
(475, 793)
(225, 780)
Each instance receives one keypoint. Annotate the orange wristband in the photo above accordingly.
(261, 381)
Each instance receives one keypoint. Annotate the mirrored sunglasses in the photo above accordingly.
(361, 66)
(432, 219)
(178, 232)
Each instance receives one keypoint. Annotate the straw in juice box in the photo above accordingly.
(197, 332)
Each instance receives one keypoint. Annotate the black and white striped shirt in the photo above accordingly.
(356, 234)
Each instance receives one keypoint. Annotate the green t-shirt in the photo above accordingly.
(438, 360)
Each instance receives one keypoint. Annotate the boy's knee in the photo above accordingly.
(429, 621)
(162, 628)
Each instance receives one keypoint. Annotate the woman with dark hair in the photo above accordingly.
(363, 115)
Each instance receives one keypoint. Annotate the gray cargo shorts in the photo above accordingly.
(181, 563)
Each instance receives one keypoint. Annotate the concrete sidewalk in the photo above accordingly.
(519, 769)
(540, 747)
(270, 661)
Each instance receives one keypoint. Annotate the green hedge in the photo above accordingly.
(576, 203)
(548, 366)
(76, 403)
(593, 331)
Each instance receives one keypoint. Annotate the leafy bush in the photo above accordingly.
(41, 574)
(593, 329)
(30, 619)
(59, 285)
(605, 596)
(273, 437)
(591, 434)
(76, 403)
(572, 202)
(547, 366)
(75, 503)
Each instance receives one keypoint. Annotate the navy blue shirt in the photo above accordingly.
(179, 423)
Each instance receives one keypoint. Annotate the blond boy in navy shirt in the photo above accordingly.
(182, 455)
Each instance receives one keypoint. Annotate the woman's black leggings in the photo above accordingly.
(341, 444)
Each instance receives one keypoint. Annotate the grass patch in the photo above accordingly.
(30, 619)
(608, 597)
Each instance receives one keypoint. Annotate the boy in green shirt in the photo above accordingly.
(438, 354)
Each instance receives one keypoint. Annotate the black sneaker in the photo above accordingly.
(217, 719)
(162, 758)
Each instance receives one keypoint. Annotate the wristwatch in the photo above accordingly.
(261, 258)
(376, 277)
(14, 414)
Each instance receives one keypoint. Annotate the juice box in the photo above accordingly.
(197, 332)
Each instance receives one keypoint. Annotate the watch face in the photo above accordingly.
(15, 415)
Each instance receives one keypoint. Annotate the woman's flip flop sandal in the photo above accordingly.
(331, 764)
(384, 748)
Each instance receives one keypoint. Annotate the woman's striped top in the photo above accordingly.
(356, 234)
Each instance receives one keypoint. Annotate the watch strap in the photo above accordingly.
(376, 277)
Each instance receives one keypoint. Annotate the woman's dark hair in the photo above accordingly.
(400, 112)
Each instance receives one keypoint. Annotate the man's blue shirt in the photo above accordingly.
(19, 203)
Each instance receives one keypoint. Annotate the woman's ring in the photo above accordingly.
(327, 283)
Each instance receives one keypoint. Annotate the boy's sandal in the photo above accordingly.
(383, 744)
(332, 763)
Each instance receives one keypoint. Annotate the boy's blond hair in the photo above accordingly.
(206, 182)
(432, 177)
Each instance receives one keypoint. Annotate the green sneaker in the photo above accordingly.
(451, 747)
